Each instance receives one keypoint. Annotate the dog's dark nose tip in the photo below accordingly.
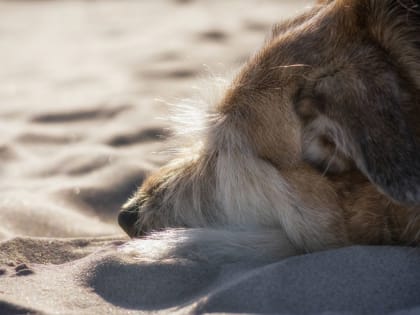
(127, 221)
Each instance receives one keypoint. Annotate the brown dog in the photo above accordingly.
(313, 145)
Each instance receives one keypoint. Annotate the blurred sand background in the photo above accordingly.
(84, 93)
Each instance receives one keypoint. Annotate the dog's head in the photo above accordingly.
(329, 104)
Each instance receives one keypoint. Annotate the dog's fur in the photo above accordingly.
(313, 145)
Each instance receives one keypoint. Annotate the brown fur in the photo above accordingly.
(332, 101)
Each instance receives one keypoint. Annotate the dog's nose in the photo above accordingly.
(127, 221)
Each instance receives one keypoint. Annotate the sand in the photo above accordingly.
(85, 89)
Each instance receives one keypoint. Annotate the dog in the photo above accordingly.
(313, 145)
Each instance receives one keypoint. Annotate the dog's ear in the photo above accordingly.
(360, 112)
(361, 102)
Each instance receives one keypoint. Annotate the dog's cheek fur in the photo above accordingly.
(229, 185)
(254, 192)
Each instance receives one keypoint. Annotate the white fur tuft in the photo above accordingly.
(212, 245)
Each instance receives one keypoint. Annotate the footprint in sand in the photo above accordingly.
(45, 138)
(213, 35)
(178, 73)
(141, 136)
(76, 116)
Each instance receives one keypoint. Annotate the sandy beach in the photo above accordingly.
(85, 106)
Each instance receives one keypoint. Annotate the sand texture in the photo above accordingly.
(85, 89)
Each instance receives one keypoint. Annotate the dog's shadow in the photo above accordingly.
(152, 286)
(355, 280)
